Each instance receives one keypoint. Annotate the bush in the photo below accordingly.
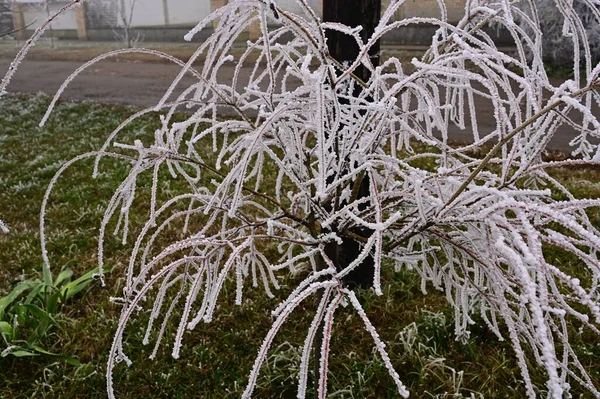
(288, 168)
(560, 44)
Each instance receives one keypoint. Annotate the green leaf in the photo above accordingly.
(42, 351)
(52, 304)
(63, 276)
(37, 287)
(72, 288)
(19, 353)
(36, 311)
(6, 328)
(6, 301)
(34, 317)
(47, 275)
(68, 359)
(21, 313)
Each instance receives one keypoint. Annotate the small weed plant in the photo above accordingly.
(29, 311)
(285, 174)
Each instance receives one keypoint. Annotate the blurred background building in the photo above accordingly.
(170, 20)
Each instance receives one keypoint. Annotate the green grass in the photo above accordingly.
(216, 358)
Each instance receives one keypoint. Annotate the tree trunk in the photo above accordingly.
(365, 13)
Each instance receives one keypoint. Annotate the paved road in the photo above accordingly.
(132, 83)
(143, 84)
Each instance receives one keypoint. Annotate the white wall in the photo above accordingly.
(37, 12)
(292, 5)
(186, 12)
(145, 12)
(179, 12)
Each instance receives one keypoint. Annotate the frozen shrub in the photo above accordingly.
(558, 41)
(476, 228)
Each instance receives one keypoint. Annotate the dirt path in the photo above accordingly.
(143, 84)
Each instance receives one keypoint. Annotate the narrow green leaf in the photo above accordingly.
(21, 311)
(14, 294)
(36, 311)
(20, 353)
(36, 289)
(67, 359)
(47, 275)
(6, 328)
(72, 288)
(37, 318)
(63, 276)
(70, 360)
(52, 304)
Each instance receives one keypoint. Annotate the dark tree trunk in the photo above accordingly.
(365, 13)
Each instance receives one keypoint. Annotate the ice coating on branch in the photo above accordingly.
(285, 170)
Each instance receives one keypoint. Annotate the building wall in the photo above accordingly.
(187, 13)
(146, 12)
(428, 9)
(101, 13)
(160, 19)
(292, 5)
(6, 17)
(36, 13)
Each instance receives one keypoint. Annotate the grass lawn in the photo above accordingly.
(216, 358)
